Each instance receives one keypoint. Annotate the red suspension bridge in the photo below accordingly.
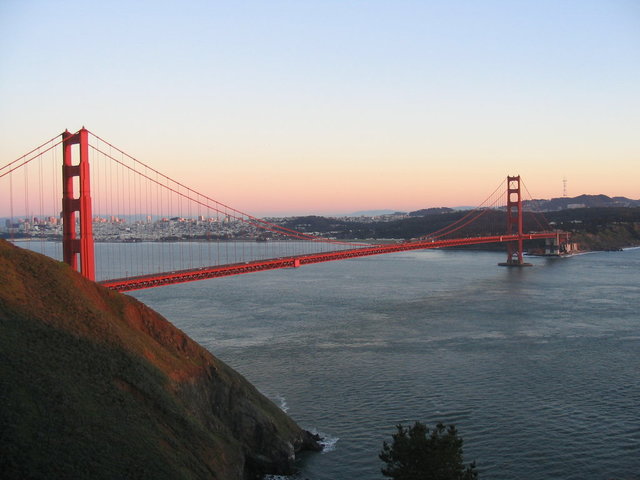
(174, 234)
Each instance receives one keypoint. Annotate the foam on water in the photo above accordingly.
(328, 442)
(282, 403)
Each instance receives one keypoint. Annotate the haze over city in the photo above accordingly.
(283, 108)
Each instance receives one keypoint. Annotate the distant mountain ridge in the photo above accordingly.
(581, 201)
(431, 211)
(539, 205)
(372, 213)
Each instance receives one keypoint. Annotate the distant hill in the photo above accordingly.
(372, 213)
(595, 228)
(599, 228)
(431, 211)
(96, 385)
(539, 205)
(581, 201)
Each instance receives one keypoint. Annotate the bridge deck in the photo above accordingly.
(190, 275)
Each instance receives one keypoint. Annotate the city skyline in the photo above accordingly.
(286, 108)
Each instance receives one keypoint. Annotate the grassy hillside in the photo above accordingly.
(94, 384)
(600, 228)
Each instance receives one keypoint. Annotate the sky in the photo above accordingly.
(328, 107)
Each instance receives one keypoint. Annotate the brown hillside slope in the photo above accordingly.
(94, 384)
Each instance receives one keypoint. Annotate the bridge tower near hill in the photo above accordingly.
(72, 245)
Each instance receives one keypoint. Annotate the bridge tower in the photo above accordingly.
(72, 245)
(514, 223)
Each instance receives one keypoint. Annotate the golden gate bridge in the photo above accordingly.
(105, 194)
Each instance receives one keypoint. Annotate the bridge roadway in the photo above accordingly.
(203, 273)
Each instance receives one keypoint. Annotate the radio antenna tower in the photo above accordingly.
(564, 187)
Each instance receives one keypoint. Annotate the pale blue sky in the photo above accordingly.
(340, 105)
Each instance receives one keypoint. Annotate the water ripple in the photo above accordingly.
(539, 369)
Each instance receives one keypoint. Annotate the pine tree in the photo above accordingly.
(416, 454)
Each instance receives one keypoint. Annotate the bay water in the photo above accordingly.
(538, 367)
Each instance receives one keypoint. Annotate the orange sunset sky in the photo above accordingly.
(283, 107)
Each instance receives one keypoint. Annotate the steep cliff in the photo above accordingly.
(94, 384)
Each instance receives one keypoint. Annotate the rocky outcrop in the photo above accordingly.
(95, 384)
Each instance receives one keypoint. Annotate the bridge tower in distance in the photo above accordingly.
(72, 245)
(514, 224)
